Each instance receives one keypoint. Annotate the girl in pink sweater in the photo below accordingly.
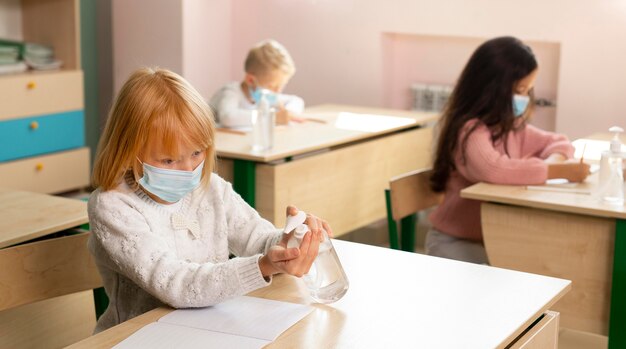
(484, 137)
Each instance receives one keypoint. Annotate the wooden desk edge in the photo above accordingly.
(116, 334)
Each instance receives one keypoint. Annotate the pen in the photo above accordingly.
(583, 153)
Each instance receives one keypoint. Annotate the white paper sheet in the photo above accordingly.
(242, 316)
(161, 335)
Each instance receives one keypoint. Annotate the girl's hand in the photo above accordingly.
(293, 261)
(572, 171)
(315, 223)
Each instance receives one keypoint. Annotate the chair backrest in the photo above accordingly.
(46, 269)
(411, 193)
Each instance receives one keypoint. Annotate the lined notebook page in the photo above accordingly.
(243, 316)
(160, 335)
(242, 322)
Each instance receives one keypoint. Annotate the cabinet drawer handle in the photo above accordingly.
(39, 167)
(31, 85)
(34, 125)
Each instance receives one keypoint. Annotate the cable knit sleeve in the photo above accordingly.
(248, 233)
(484, 163)
(126, 244)
(542, 144)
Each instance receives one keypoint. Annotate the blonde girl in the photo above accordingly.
(163, 224)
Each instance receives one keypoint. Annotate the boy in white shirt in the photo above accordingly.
(268, 66)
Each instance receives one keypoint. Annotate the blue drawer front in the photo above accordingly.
(51, 133)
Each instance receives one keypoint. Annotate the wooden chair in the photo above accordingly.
(40, 271)
(408, 194)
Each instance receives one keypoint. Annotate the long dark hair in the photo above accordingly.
(484, 91)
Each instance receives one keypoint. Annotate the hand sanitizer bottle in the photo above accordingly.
(611, 177)
(326, 280)
(263, 120)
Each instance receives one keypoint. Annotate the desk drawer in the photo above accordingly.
(542, 335)
(33, 94)
(54, 173)
(32, 136)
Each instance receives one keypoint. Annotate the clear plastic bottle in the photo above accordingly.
(326, 280)
(611, 177)
(263, 120)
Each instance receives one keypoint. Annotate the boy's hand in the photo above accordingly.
(283, 116)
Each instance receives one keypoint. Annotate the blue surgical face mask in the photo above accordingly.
(520, 104)
(258, 92)
(170, 185)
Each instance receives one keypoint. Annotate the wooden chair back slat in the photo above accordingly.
(46, 269)
(411, 193)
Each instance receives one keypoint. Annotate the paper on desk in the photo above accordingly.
(561, 185)
(242, 316)
(161, 335)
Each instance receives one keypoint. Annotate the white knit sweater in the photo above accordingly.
(149, 256)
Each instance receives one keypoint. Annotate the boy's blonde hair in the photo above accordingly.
(153, 104)
(269, 55)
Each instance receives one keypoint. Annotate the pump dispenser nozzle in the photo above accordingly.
(616, 144)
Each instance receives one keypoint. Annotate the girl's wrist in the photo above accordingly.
(265, 266)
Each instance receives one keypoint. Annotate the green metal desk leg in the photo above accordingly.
(245, 179)
(392, 226)
(617, 321)
(101, 301)
(407, 229)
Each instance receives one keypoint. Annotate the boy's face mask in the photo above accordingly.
(257, 93)
(520, 104)
(170, 185)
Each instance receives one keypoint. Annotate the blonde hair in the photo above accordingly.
(152, 104)
(269, 55)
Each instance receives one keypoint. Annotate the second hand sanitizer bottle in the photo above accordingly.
(326, 280)
(611, 178)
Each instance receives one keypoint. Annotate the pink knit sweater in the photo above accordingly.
(488, 162)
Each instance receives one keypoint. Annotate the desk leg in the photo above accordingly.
(617, 321)
(244, 179)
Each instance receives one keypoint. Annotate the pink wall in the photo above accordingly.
(338, 46)
(206, 50)
(145, 33)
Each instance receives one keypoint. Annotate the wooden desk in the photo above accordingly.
(398, 299)
(57, 321)
(325, 167)
(573, 236)
(25, 216)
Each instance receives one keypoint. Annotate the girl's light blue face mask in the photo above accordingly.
(170, 185)
(520, 104)
(258, 92)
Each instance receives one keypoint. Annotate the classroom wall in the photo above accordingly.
(145, 33)
(338, 45)
(179, 35)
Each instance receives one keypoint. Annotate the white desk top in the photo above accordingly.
(341, 127)
(25, 216)
(399, 299)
